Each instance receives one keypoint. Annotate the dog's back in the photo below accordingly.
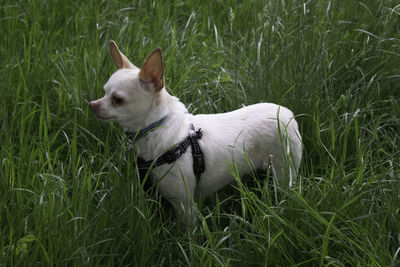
(251, 138)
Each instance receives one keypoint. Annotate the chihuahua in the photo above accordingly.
(259, 136)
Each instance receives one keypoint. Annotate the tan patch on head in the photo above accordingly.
(158, 99)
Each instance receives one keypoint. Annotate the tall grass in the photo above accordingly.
(69, 194)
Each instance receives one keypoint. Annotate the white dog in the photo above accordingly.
(253, 137)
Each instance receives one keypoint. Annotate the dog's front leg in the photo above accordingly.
(186, 212)
(179, 191)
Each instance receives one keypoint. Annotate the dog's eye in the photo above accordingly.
(116, 100)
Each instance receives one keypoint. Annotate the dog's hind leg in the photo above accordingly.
(283, 169)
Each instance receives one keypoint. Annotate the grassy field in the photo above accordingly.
(69, 195)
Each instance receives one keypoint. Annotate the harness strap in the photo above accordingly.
(198, 156)
(176, 152)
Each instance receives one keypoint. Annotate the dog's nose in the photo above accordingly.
(93, 105)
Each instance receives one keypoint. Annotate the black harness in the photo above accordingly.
(172, 154)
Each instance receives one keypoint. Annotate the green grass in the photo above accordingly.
(69, 195)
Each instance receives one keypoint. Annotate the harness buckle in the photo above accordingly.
(198, 162)
(198, 156)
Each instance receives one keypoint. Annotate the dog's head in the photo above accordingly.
(130, 91)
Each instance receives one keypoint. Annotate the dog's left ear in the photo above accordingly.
(120, 60)
(153, 70)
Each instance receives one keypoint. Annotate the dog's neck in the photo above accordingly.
(171, 131)
(160, 105)
(135, 136)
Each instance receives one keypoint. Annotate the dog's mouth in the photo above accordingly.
(103, 118)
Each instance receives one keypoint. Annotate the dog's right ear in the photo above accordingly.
(120, 60)
(152, 70)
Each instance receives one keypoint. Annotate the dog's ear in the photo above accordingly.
(120, 60)
(153, 70)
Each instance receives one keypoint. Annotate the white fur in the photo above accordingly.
(251, 137)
